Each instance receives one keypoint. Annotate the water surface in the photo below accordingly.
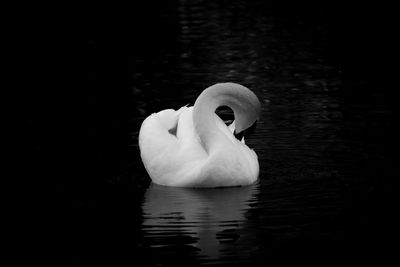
(322, 138)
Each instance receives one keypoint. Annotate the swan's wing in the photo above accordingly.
(171, 158)
(169, 118)
(156, 136)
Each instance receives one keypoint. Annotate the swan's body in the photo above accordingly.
(192, 147)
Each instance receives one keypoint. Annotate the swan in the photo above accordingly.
(192, 146)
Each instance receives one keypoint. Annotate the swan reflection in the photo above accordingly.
(206, 220)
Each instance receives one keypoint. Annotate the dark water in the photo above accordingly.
(323, 140)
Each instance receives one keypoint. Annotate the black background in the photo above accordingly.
(76, 142)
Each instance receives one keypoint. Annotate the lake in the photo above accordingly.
(323, 140)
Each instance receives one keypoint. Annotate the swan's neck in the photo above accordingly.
(242, 101)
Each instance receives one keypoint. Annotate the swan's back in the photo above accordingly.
(169, 148)
(173, 155)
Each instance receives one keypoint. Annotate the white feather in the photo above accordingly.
(181, 148)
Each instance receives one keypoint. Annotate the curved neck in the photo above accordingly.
(242, 101)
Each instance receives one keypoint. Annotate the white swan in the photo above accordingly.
(192, 147)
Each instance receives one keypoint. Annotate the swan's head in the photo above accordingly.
(244, 103)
